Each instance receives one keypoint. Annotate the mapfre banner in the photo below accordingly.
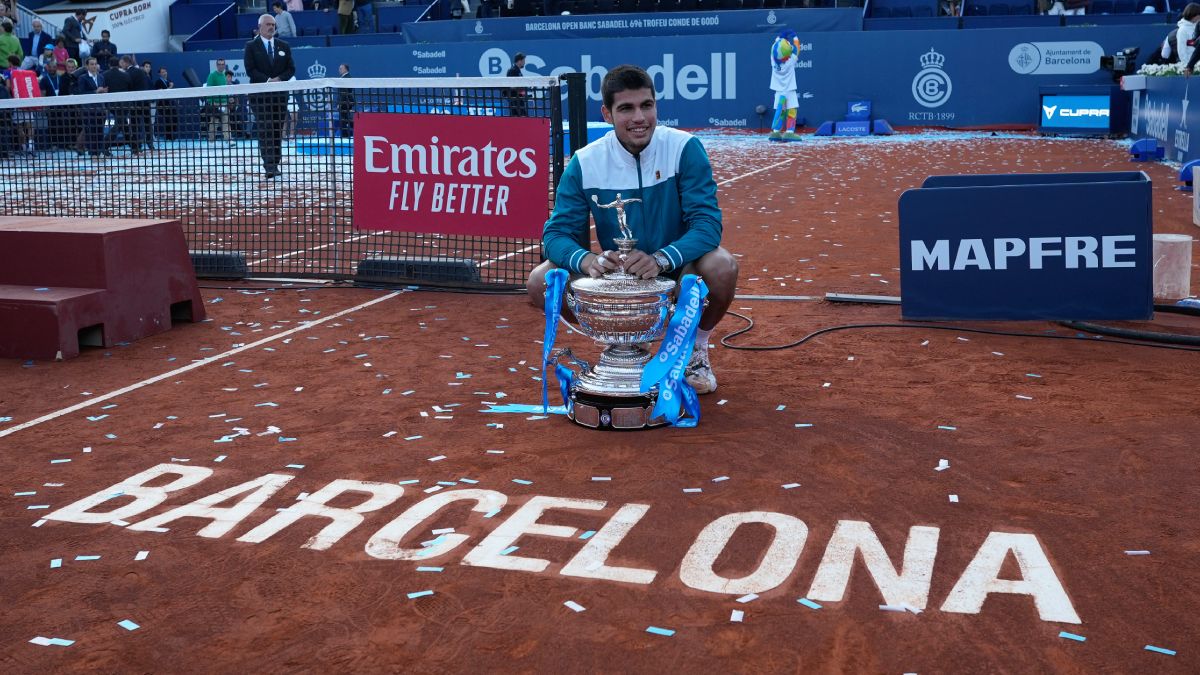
(451, 175)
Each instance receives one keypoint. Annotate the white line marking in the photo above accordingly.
(314, 248)
(745, 175)
(509, 255)
(190, 366)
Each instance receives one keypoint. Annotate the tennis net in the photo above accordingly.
(196, 155)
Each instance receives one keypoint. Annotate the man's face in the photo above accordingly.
(266, 28)
(633, 116)
(93, 66)
(162, 72)
(146, 67)
(37, 26)
(220, 66)
(521, 63)
(104, 35)
(342, 70)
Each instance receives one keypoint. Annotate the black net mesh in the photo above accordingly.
(209, 161)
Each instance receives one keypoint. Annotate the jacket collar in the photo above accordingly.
(625, 157)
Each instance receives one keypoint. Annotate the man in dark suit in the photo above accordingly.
(139, 111)
(345, 105)
(91, 81)
(72, 30)
(117, 81)
(269, 59)
(166, 116)
(39, 39)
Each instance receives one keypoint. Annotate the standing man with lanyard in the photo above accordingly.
(269, 60)
(677, 223)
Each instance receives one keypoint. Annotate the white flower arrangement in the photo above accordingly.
(1163, 70)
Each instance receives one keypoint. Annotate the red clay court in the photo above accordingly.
(910, 499)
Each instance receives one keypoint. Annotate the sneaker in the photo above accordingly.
(791, 136)
(699, 374)
(774, 136)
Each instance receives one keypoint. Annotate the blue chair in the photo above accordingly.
(976, 10)
(881, 12)
(998, 9)
(901, 12)
(1021, 9)
(922, 11)
(1101, 7)
(1124, 6)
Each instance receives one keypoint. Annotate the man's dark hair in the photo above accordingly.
(277, 4)
(105, 34)
(14, 60)
(146, 63)
(519, 56)
(8, 27)
(624, 78)
(1191, 11)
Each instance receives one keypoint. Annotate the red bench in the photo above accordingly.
(67, 282)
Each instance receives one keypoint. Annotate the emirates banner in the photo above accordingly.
(447, 174)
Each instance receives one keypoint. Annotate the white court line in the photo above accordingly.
(509, 255)
(765, 168)
(314, 248)
(191, 366)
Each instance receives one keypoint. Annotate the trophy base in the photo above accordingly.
(608, 413)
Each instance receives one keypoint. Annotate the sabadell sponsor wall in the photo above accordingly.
(951, 78)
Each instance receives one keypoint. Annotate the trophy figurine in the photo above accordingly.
(623, 313)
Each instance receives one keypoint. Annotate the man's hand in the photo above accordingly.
(638, 263)
(642, 264)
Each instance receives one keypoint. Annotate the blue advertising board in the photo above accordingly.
(941, 78)
(1027, 246)
(1076, 112)
(1162, 110)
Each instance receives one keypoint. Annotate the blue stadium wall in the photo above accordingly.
(951, 78)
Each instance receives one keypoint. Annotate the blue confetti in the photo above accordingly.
(419, 594)
(1071, 636)
(508, 550)
(660, 631)
(1160, 650)
(519, 481)
(128, 625)
(808, 603)
(587, 535)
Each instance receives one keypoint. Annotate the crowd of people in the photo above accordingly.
(73, 65)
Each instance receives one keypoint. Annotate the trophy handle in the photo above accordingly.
(566, 353)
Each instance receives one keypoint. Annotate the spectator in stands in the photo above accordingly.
(1186, 33)
(216, 108)
(73, 31)
(345, 105)
(950, 8)
(345, 11)
(269, 60)
(60, 50)
(166, 118)
(103, 49)
(9, 9)
(365, 9)
(1069, 7)
(57, 82)
(92, 115)
(39, 39)
(487, 8)
(286, 25)
(516, 97)
(677, 224)
(9, 44)
(295, 5)
(23, 84)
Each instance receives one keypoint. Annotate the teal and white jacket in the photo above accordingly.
(678, 214)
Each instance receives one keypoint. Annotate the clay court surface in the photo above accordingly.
(1087, 446)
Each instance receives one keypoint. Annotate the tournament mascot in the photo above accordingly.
(785, 53)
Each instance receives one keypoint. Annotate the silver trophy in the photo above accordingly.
(624, 313)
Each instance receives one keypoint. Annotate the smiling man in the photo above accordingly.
(677, 222)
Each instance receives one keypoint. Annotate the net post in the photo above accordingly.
(556, 132)
(577, 109)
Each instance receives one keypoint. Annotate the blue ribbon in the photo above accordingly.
(667, 367)
(556, 281)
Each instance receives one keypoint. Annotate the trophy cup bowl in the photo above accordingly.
(624, 313)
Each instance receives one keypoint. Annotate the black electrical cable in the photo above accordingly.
(922, 326)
